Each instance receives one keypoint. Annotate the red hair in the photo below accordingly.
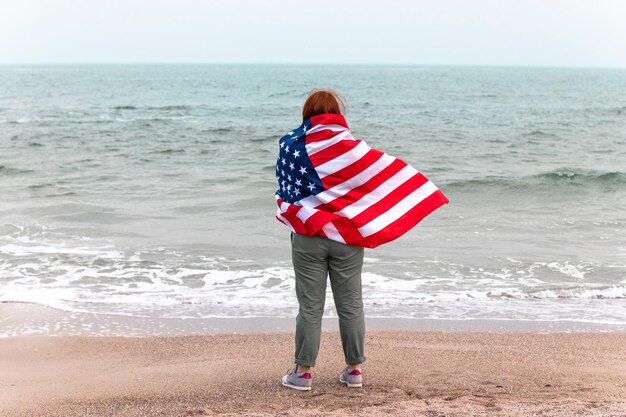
(323, 101)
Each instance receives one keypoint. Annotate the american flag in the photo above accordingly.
(336, 186)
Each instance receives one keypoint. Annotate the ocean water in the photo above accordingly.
(148, 190)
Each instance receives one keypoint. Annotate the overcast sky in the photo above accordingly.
(462, 32)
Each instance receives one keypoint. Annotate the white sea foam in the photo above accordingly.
(59, 298)
(589, 292)
(21, 250)
(105, 280)
(45, 267)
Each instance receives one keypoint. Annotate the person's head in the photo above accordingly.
(323, 101)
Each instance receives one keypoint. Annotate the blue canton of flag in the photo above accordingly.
(296, 176)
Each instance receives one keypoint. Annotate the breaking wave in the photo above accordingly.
(612, 292)
(556, 179)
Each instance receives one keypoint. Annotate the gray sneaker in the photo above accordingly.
(299, 381)
(351, 377)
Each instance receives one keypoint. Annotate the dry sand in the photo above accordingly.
(406, 373)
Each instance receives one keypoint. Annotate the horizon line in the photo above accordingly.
(397, 64)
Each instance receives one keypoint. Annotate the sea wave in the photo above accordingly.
(539, 133)
(609, 292)
(95, 278)
(565, 177)
(619, 110)
(171, 107)
(218, 130)
(159, 108)
(5, 170)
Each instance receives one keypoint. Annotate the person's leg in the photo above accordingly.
(309, 256)
(345, 263)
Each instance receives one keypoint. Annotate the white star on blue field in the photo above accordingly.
(296, 176)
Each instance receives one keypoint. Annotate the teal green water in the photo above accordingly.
(149, 189)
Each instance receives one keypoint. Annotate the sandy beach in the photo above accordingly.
(407, 373)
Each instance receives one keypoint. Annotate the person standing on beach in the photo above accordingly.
(339, 196)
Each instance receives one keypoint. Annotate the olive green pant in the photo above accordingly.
(314, 259)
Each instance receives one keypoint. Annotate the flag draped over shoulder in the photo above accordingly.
(333, 185)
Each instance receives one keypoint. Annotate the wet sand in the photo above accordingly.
(26, 319)
(406, 373)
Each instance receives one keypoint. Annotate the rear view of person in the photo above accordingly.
(339, 196)
(315, 258)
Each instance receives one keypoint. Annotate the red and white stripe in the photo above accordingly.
(370, 198)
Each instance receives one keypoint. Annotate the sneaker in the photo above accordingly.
(351, 377)
(299, 381)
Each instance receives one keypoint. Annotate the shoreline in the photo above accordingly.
(406, 373)
(232, 367)
(25, 319)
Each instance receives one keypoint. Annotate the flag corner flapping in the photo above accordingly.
(334, 185)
